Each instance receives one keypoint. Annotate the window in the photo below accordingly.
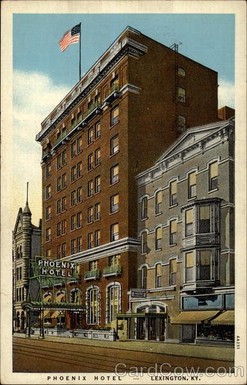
(48, 192)
(73, 248)
(48, 213)
(61, 159)
(213, 176)
(114, 203)
(173, 232)
(79, 170)
(79, 194)
(97, 157)
(181, 123)
(181, 95)
(144, 277)
(114, 84)
(92, 309)
(97, 211)
(114, 115)
(93, 265)
(113, 302)
(63, 250)
(189, 267)
(90, 240)
(158, 202)
(79, 145)
(114, 233)
(90, 135)
(97, 184)
(114, 260)
(192, 185)
(48, 253)
(63, 184)
(114, 145)
(173, 271)
(144, 242)
(158, 238)
(64, 203)
(90, 188)
(73, 174)
(90, 215)
(173, 193)
(48, 234)
(203, 263)
(97, 130)
(90, 162)
(79, 244)
(97, 238)
(48, 170)
(114, 174)
(204, 219)
(144, 208)
(59, 183)
(158, 275)
(79, 220)
(188, 222)
(73, 149)
(181, 72)
(73, 198)
(73, 222)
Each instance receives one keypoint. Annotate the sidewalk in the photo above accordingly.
(188, 350)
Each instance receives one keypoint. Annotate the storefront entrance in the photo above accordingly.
(151, 323)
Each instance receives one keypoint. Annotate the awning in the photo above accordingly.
(225, 318)
(57, 314)
(193, 317)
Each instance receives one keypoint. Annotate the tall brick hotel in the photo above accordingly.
(114, 124)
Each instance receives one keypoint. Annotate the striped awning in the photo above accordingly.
(225, 318)
(193, 317)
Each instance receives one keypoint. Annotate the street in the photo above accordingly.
(44, 356)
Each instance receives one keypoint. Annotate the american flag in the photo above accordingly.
(70, 37)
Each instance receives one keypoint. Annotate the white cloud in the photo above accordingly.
(226, 94)
(34, 97)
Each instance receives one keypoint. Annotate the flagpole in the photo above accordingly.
(80, 55)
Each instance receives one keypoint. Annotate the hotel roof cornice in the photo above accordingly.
(122, 46)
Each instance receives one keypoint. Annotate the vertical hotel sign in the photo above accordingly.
(56, 268)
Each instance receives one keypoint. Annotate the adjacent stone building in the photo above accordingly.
(26, 244)
(185, 263)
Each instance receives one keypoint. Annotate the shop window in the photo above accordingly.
(158, 238)
(213, 176)
(158, 202)
(114, 203)
(192, 185)
(173, 193)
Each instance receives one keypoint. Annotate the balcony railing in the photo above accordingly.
(91, 274)
(112, 270)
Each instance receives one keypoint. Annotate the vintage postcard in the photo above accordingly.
(123, 192)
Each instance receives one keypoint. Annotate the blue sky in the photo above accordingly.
(43, 74)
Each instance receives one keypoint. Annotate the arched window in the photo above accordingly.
(75, 295)
(144, 208)
(158, 202)
(92, 307)
(113, 300)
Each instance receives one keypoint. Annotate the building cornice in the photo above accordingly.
(101, 68)
(112, 248)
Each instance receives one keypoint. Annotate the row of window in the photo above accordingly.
(93, 186)
(20, 294)
(93, 212)
(77, 145)
(198, 219)
(93, 239)
(199, 265)
(173, 189)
